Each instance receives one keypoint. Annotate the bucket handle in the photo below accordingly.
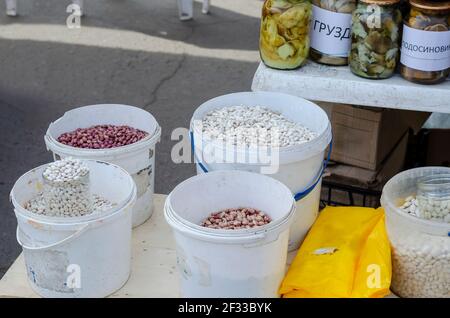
(275, 238)
(299, 195)
(53, 245)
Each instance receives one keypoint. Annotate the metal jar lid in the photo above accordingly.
(381, 2)
(430, 5)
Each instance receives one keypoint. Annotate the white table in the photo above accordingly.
(153, 271)
(338, 85)
(153, 264)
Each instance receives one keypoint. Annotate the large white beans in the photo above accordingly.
(420, 264)
(254, 125)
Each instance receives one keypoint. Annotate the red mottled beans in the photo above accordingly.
(234, 219)
(102, 136)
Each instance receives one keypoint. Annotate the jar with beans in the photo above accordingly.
(425, 50)
(284, 36)
(375, 38)
(66, 189)
(330, 31)
(433, 196)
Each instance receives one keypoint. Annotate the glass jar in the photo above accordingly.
(68, 198)
(375, 38)
(284, 38)
(433, 196)
(330, 31)
(425, 51)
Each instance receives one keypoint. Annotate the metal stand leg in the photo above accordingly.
(205, 8)
(80, 3)
(186, 9)
(11, 7)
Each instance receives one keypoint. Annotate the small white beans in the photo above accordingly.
(37, 205)
(65, 170)
(428, 209)
(66, 191)
(254, 125)
(67, 188)
(431, 208)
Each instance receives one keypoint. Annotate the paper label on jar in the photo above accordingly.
(330, 32)
(425, 50)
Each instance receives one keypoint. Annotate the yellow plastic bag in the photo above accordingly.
(345, 254)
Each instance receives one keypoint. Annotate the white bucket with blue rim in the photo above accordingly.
(300, 167)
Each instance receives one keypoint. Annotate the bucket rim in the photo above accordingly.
(427, 226)
(150, 140)
(323, 138)
(172, 216)
(19, 210)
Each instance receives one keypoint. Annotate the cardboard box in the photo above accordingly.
(438, 147)
(350, 183)
(363, 137)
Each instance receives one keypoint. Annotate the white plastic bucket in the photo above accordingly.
(138, 158)
(420, 247)
(230, 263)
(87, 256)
(300, 166)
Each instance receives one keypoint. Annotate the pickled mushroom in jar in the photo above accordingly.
(426, 21)
(374, 49)
(284, 41)
(418, 20)
(338, 6)
(341, 6)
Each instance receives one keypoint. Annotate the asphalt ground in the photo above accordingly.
(133, 52)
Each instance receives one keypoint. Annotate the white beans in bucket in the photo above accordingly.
(304, 135)
(214, 262)
(420, 247)
(138, 158)
(77, 256)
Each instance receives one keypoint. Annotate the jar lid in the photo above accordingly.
(381, 2)
(430, 5)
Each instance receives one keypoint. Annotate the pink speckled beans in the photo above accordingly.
(102, 136)
(235, 219)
